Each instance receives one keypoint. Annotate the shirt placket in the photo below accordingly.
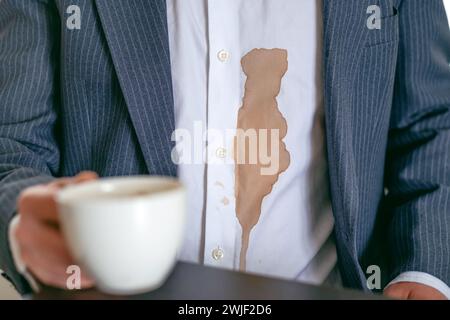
(223, 103)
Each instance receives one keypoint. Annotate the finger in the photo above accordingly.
(43, 266)
(54, 275)
(61, 183)
(41, 238)
(396, 292)
(81, 177)
(47, 257)
(425, 293)
(86, 176)
(86, 282)
(38, 201)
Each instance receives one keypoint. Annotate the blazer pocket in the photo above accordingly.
(389, 31)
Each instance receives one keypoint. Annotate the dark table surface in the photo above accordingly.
(192, 282)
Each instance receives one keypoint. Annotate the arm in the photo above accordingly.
(418, 160)
(28, 148)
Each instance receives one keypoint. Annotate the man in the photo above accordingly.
(356, 92)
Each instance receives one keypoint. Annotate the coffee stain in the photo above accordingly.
(219, 184)
(264, 69)
(225, 201)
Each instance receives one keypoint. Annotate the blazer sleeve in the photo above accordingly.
(418, 159)
(28, 98)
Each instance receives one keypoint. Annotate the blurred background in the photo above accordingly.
(7, 292)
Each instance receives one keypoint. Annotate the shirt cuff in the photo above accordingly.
(425, 279)
(17, 258)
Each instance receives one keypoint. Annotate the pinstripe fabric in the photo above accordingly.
(100, 98)
(389, 90)
(418, 168)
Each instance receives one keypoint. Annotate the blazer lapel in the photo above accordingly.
(136, 33)
(347, 56)
(345, 36)
(344, 33)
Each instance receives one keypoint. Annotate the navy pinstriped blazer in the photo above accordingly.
(100, 99)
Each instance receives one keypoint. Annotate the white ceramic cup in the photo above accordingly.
(125, 232)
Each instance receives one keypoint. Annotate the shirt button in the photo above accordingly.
(217, 254)
(223, 55)
(221, 152)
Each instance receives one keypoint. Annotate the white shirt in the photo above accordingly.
(208, 39)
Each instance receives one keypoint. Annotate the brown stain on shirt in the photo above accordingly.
(264, 69)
